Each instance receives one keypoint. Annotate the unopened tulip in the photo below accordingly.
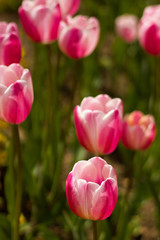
(91, 189)
(10, 45)
(98, 122)
(149, 30)
(69, 7)
(78, 36)
(126, 27)
(16, 93)
(40, 19)
(138, 130)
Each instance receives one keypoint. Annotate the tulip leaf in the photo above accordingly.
(5, 228)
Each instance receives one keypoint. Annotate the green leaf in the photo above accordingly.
(5, 228)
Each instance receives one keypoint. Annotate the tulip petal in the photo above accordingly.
(85, 170)
(91, 103)
(28, 25)
(69, 7)
(105, 199)
(12, 50)
(75, 195)
(80, 130)
(108, 135)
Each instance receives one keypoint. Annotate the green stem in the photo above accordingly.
(155, 87)
(12, 166)
(124, 212)
(95, 232)
(48, 104)
(65, 133)
(18, 184)
(50, 128)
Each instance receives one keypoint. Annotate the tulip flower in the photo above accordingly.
(69, 7)
(40, 19)
(98, 122)
(10, 45)
(16, 93)
(149, 30)
(78, 36)
(138, 130)
(126, 27)
(91, 189)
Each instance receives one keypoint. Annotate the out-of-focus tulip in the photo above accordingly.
(138, 130)
(126, 27)
(98, 122)
(149, 30)
(10, 45)
(91, 189)
(69, 7)
(40, 19)
(78, 36)
(16, 93)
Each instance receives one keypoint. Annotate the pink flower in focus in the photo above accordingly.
(16, 93)
(98, 122)
(138, 130)
(40, 19)
(78, 36)
(69, 7)
(126, 27)
(10, 45)
(149, 30)
(91, 189)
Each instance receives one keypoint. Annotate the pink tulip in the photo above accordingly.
(126, 27)
(91, 189)
(138, 130)
(149, 30)
(10, 45)
(78, 36)
(69, 7)
(98, 123)
(40, 19)
(16, 93)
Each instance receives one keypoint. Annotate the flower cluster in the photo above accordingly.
(77, 36)
(91, 187)
(147, 30)
(16, 91)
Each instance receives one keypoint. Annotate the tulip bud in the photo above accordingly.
(16, 93)
(126, 27)
(91, 189)
(149, 30)
(40, 19)
(78, 36)
(10, 45)
(138, 130)
(98, 122)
